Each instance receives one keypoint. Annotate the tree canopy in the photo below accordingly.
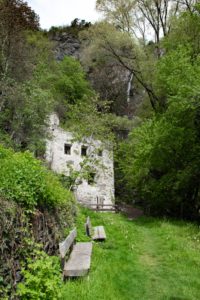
(161, 158)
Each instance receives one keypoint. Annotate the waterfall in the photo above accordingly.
(129, 87)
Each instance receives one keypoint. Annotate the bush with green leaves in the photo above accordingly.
(25, 180)
(42, 279)
(70, 85)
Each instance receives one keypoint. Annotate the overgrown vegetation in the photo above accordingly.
(161, 158)
(24, 180)
(41, 280)
(36, 211)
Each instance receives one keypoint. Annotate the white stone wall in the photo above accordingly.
(103, 187)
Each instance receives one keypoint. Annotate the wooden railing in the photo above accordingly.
(102, 207)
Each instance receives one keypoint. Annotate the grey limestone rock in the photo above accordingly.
(66, 44)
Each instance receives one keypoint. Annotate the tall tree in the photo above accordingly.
(161, 159)
(25, 99)
(107, 45)
(15, 17)
(144, 18)
(25, 104)
(119, 12)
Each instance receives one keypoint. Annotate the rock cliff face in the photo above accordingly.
(65, 44)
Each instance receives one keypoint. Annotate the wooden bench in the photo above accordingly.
(96, 233)
(79, 260)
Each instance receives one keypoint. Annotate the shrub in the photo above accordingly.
(42, 279)
(26, 181)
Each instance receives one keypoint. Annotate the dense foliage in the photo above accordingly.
(24, 180)
(25, 98)
(36, 211)
(70, 86)
(41, 280)
(23, 236)
(161, 158)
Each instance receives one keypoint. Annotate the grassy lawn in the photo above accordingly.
(143, 259)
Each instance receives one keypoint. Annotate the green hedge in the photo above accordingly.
(26, 181)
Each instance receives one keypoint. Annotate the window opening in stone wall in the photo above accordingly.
(83, 151)
(91, 178)
(100, 152)
(67, 149)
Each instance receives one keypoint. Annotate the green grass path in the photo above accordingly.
(143, 259)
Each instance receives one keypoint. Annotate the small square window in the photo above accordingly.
(83, 151)
(100, 152)
(91, 178)
(67, 149)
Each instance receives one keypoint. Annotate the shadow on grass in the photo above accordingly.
(178, 298)
(148, 222)
(152, 222)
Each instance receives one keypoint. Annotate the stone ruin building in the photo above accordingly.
(64, 154)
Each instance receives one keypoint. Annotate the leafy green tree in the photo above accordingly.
(105, 46)
(185, 31)
(78, 106)
(16, 17)
(26, 105)
(70, 84)
(138, 16)
(25, 64)
(160, 160)
(119, 13)
(142, 19)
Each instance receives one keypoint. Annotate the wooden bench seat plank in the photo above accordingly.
(96, 233)
(79, 261)
(99, 233)
(67, 243)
